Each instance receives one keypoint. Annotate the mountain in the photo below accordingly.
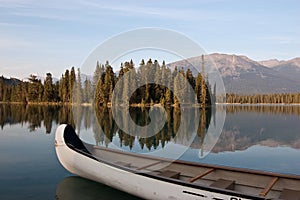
(270, 63)
(243, 75)
(10, 81)
(290, 68)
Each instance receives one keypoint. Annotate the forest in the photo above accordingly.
(71, 89)
(98, 89)
(281, 98)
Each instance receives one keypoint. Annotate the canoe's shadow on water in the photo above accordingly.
(74, 187)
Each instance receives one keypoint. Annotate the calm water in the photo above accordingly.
(255, 137)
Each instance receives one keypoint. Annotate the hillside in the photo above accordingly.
(243, 75)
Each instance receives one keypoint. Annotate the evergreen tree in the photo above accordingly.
(97, 75)
(61, 88)
(66, 87)
(48, 88)
(72, 82)
(179, 88)
(109, 83)
(168, 91)
(99, 93)
(78, 89)
(118, 96)
(87, 91)
(35, 90)
(2, 88)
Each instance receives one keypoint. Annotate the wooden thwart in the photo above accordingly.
(267, 189)
(191, 180)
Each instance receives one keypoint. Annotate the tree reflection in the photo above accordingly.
(35, 115)
(107, 129)
(244, 127)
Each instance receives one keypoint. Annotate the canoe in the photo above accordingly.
(151, 177)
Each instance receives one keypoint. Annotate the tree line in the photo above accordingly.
(66, 90)
(283, 98)
(99, 90)
(100, 87)
(159, 84)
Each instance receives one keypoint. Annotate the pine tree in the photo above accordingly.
(203, 85)
(198, 87)
(48, 88)
(56, 91)
(179, 88)
(99, 93)
(2, 89)
(72, 82)
(109, 83)
(120, 83)
(189, 93)
(87, 91)
(78, 89)
(168, 91)
(35, 90)
(66, 87)
(97, 75)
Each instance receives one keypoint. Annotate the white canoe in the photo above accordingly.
(156, 178)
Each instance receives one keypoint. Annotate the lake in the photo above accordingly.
(254, 137)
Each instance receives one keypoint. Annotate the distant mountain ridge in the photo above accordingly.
(243, 75)
(10, 81)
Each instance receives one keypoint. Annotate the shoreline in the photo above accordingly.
(149, 105)
(259, 104)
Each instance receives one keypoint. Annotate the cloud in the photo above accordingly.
(89, 9)
(172, 11)
(8, 24)
(281, 39)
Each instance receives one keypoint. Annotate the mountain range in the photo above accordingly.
(240, 74)
(243, 75)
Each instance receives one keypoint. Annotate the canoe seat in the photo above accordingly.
(288, 194)
(224, 184)
(170, 174)
(124, 164)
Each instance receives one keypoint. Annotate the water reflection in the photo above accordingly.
(271, 126)
(245, 126)
(35, 115)
(108, 129)
(74, 188)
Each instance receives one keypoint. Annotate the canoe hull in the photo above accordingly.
(133, 183)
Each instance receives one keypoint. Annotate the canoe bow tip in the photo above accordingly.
(59, 135)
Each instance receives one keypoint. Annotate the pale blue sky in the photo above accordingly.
(38, 36)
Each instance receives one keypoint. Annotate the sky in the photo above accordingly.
(39, 36)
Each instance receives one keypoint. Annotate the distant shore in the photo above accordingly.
(148, 105)
(260, 104)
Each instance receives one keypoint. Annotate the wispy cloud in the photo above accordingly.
(9, 24)
(87, 9)
(136, 10)
(281, 39)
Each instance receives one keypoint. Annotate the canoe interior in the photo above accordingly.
(258, 184)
